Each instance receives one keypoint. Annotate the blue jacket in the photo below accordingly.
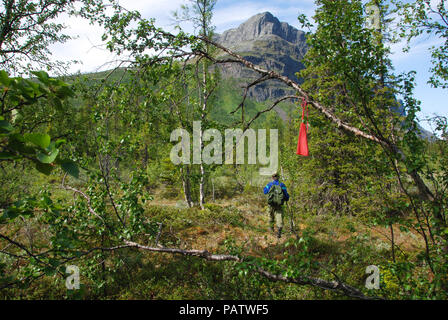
(282, 185)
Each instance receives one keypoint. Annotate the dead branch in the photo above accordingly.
(105, 174)
(301, 280)
(274, 75)
(246, 90)
(320, 283)
(24, 248)
(424, 191)
(197, 253)
(268, 109)
(89, 206)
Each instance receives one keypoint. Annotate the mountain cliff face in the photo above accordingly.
(265, 41)
(263, 26)
(274, 45)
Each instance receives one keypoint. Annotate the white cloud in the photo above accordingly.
(87, 45)
(419, 47)
(161, 10)
(229, 14)
(235, 15)
(89, 48)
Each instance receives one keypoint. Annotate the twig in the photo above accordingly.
(320, 283)
(259, 113)
(159, 233)
(198, 253)
(246, 90)
(89, 206)
(274, 75)
(105, 174)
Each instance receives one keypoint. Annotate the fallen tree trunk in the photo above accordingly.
(337, 285)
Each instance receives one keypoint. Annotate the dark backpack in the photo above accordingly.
(275, 195)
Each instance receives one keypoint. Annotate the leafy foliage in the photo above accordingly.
(425, 17)
(116, 126)
(36, 147)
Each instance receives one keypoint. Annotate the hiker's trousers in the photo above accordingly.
(275, 214)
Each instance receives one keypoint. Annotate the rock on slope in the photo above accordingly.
(267, 42)
(274, 45)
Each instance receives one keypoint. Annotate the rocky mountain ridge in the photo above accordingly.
(274, 45)
(265, 41)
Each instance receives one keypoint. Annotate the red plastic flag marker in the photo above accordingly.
(302, 144)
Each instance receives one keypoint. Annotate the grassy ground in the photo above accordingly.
(245, 219)
(343, 245)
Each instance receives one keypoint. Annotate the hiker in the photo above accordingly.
(277, 195)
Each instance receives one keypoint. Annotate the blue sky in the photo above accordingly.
(230, 14)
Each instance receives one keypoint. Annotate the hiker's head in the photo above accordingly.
(275, 176)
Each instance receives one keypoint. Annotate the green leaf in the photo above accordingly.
(48, 158)
(4, 78)
(57, 103)
(71, 168)
(50, 271)
(39, 139)
(20, 147)
(51, 148)
(5, 126)
(10, 213)
(7, 156)
(64, 91)
(42, 76)
(44, 168)
(59, 142)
